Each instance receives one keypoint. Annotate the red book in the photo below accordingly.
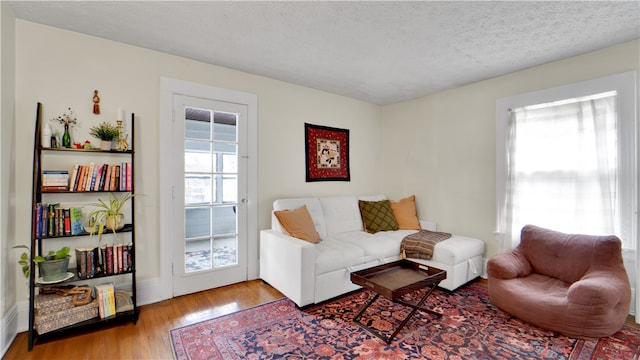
(67, 221)
(109, 259)
(129, 185)
(119, 257)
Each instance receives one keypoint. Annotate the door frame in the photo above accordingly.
(168, 88)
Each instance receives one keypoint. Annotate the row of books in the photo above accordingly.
(92, 177)
(51, 220)
(104, 260)
(106, 177)
(106, 297)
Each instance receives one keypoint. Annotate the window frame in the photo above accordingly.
(625, 86)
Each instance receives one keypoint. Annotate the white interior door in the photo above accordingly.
(209, 194)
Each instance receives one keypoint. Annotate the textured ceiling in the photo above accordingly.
(379, 52)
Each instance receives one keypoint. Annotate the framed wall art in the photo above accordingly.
(327, 153)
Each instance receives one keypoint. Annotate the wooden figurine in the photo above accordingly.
(96, 102)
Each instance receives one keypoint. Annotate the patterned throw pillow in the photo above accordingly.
(377, 216)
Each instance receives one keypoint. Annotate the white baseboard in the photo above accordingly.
(8, 328)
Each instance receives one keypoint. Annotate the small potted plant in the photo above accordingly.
(108, 214)
(52, 267)
(106, 132)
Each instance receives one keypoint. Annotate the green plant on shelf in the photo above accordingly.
(107, 214)
(104, 131)
(24, 262)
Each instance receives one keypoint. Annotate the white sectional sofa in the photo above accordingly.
(309, 273)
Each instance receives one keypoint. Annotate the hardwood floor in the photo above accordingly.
(149, 338)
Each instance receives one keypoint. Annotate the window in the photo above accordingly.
(566, 160)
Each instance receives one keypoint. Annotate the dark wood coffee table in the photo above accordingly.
(394, 280)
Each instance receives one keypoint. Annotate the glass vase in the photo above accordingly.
(66, 137)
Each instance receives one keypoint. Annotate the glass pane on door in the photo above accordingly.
(211, 189)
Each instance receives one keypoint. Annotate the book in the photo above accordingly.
(64, 187)
(99, 259)
(59, 222)
(130, 257)
(110, 301)
(129, 184)
(55, 177)
(99, 299)
(105, 295)
(83, 173)
(67, 221)
(81, 262)
(116, 185)
(108, 259)
(52, 217)
(38, 220)
(123, 176)
(105, 182)
(92, 180)
(96, 186)
(77, 226)
(114, 175)
(90, 263)
(118, 251)
(74, 175)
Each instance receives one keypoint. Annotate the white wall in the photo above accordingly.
(444, 145)
(61, 68)
(7, 203)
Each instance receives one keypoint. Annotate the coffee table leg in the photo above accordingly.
(415, 308)
(420, 303)
(372, 331)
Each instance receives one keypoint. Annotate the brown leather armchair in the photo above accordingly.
(573, 284)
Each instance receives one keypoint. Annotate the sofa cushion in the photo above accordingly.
(333, 255)
(377, 216)
(375, 246)
(457, 249)
(405, 213)
(313, 207)
(341, 214)
(298, 223)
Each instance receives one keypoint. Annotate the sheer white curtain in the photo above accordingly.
(562, 168)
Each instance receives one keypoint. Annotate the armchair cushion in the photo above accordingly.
(509, 265)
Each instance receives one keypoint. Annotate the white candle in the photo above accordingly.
(120, 114)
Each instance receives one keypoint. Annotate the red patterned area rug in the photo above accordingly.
(470, 328)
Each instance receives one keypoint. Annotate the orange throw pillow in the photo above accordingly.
(298, 223)
(405, 213)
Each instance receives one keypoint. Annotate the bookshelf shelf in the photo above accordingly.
(87, 151)
(118, 268)
(125, 229)
(75, 278)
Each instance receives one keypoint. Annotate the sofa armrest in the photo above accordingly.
(508, 265)
(288, 264)
(428, 225)
(600, 287)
